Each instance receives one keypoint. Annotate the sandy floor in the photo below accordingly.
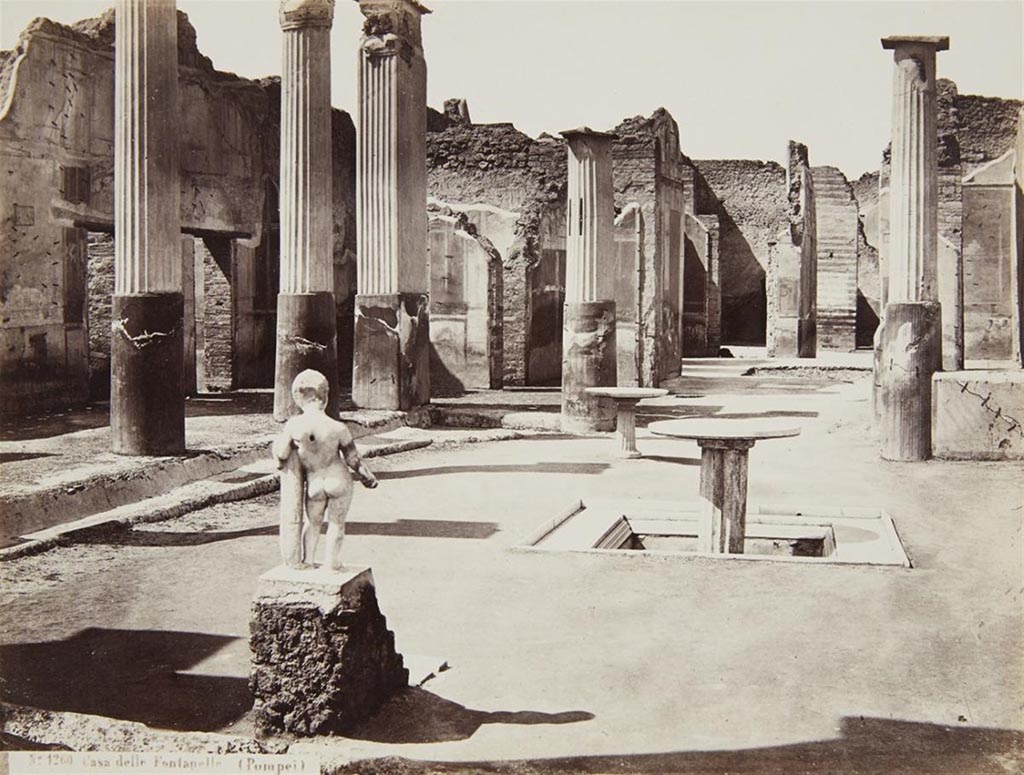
(619, 662)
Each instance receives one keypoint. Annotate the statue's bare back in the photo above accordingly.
(326, 456)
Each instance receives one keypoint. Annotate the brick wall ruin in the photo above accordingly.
(56, 152)
(512, 189)
(507, 184)
(650, 172)
(749, 199)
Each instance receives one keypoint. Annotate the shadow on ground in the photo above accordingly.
(134, 675)
(865, 746)
(418, 716)
(125, 535)
(423, 528)
(679, 461)
(646, 415)
(501, 468)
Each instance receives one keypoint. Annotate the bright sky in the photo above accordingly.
(740, 78)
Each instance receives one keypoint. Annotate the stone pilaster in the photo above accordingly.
(589, 357)
(147, 402)
(792, 273)
(911, 342)
(392, 338)
(306, 316)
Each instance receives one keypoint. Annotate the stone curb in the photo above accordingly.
(467, 417)
(173, 504)
(37, 510)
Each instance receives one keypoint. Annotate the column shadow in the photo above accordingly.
(415, 715)
(134, 675)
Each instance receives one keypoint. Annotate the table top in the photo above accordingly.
(724, 428)
(627, 392)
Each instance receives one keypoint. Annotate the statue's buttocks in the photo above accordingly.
(315, 454)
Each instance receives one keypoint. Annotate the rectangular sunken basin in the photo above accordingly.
(788, 533)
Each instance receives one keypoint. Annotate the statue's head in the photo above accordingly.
(310, 387)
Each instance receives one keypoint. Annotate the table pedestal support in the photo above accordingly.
(625, 429)
(723, 492)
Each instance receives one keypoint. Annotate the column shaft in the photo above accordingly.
(391, 369)
(305, 192)
(147, 409)
(589, 353)
(306, 314)
(913, 183)
(910, 342)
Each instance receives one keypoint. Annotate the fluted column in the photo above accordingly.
(911, 337)
(588, 336)
(391, 369)
(147, 409)
(306, 316)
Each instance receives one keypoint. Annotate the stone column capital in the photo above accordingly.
(584, 135)
(900, 42)
(391, 19)
(297, 14)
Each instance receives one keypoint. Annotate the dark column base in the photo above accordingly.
(911, 345)
(391, 364)
(807, 342)
(306, 339)
(323, 658)
(589, 359)
(147, 398)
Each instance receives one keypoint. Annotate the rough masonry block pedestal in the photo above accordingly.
(323, 658)
(391, 368)
(589, 359)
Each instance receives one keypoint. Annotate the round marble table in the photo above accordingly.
(626, 399)
(724, 446)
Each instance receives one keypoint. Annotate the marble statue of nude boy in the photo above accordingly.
(315, 453)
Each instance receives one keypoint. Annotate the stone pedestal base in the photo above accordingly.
(588, 360)
(323, 658)
(147, 398)
(391, 368)
(976, 415)
(911, 351)
(723, 492)
(792, 338)
(306, 339)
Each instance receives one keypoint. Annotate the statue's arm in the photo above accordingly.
(354, 461)
(282, 446)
